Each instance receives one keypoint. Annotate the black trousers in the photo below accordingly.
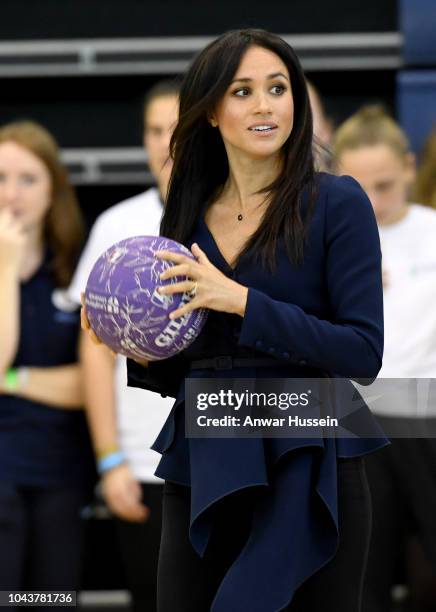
(187, 583)
(40, 538)
(402, 479)
(139, 546)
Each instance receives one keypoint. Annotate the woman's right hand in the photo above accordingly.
(12, 240)
(84, 322)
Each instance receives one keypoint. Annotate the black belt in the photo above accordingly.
(228, 363)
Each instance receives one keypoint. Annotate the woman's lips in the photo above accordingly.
(263, 129)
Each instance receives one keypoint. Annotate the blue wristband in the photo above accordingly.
(110, 461)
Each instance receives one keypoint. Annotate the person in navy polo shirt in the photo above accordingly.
(46, 465)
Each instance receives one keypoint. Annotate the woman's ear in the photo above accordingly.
(213, 122)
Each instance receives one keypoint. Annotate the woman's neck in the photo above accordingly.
(162, 186)
(247, 176)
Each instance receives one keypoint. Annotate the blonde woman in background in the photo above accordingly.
(46, 466)
(373, 149)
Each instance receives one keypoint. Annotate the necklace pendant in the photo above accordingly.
(240, 217)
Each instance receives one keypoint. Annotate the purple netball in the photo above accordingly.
(123, 305)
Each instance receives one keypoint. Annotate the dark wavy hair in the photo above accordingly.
(200, 161)
(63, 224)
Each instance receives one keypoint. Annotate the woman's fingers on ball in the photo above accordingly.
(184, 286)
(84, 322)
(112, 296)
(95, 339)
(170, 256)
(181, 312)
(183, 269)
(198, 253)
(143, 362)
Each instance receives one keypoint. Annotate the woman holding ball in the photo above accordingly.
(288, 262)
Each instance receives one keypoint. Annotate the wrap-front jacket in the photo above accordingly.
(322, 318)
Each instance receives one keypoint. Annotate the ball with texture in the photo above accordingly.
(124, 307)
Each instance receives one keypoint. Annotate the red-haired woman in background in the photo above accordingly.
(45, 459)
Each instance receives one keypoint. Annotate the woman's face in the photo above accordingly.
(384, 175)
(159, 123)
(25, 185)
(255, 115)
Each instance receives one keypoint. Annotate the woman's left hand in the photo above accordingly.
(211, 288)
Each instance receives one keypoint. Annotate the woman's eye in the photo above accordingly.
(381, 187)
(241, 92)
(278, 89)
(28, 179)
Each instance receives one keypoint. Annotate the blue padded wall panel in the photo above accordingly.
(417, 20)
(416, 104)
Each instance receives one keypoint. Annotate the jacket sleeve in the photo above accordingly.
(164, 377)
(350, 343)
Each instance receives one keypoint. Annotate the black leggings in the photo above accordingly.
(402, 481)
(187, 583)
(40, 537)
(139, 546)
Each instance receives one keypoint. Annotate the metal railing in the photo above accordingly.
(171, 55)
(114, 166)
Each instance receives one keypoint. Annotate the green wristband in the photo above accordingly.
(11, 380)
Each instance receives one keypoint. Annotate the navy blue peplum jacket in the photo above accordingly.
(324, 317)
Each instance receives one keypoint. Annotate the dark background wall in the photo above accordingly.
(26, 19)
(96, 111)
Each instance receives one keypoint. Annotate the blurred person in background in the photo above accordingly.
(124, 423)
(46, 463)
(425, 185)
(322, 129)
(373, 149)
